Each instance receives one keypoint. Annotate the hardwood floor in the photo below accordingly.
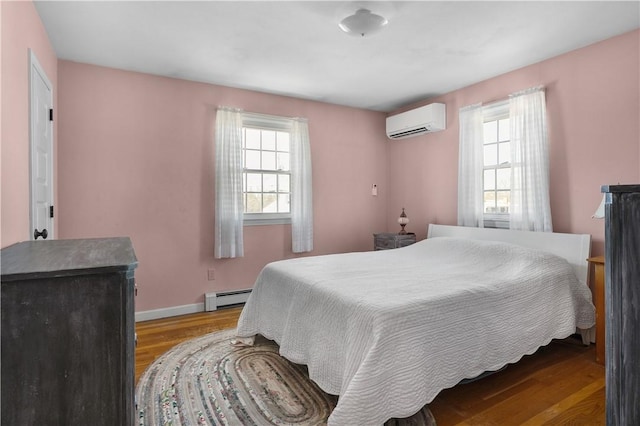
(561, 384)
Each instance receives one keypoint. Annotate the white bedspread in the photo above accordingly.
(387, 330)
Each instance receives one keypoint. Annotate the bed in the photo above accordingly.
(388, 330)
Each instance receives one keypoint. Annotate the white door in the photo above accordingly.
(41, 141)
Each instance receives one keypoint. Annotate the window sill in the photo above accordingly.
(267, 221)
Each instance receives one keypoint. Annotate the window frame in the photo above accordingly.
(274, 123)
(494, 112)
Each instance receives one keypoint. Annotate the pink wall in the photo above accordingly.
(21, 30)
(136, 159)
(593, 104)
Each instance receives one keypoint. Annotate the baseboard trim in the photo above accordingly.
(169, 312)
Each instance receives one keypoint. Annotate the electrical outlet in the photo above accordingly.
(211, 274)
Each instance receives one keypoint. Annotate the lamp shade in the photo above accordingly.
(599, 214)
(362, 22)
(403, 220)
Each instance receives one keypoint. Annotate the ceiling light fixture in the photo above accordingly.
(362, 23)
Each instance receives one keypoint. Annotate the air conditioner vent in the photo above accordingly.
(400, 135)
(426, 119)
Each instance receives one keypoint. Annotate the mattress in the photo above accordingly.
(388, 330)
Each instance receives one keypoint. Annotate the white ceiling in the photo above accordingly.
(295, 48)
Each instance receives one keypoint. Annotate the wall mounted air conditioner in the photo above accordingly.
(429, 118)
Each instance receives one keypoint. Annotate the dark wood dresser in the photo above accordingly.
(622, 304)
(388, 240)
(68, 332)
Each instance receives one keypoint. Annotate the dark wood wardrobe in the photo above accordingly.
(622, 304)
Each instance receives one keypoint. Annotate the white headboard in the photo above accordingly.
(573, 247)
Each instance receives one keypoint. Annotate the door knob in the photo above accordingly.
(42, 234)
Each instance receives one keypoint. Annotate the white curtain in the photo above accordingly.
(470, 167)
(530, 207)
(301, 188)
(229, 206)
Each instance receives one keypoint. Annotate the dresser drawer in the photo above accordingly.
(384, 243)
(402, 242)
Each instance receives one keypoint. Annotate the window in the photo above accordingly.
(266, 170)
(503, 164)
(263, 176)
(496, 182)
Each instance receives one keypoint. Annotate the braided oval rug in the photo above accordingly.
(208, 381)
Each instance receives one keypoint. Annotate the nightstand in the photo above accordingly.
(388, 240)
(598, 301)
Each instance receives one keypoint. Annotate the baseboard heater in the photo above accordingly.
(213, 301)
